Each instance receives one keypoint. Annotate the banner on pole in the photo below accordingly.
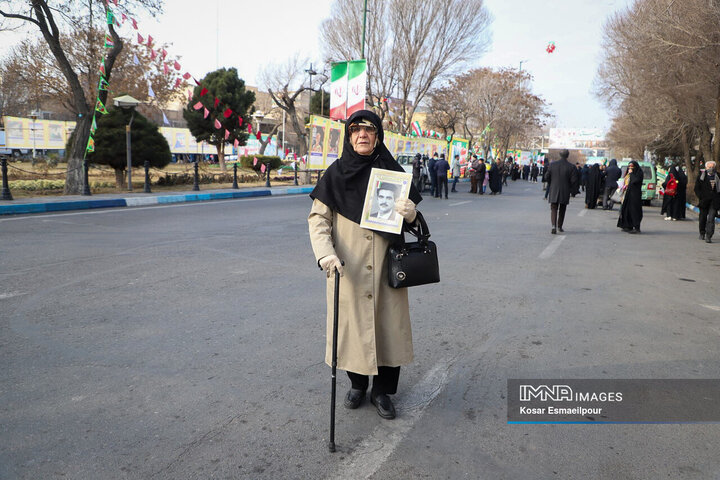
(347, 88)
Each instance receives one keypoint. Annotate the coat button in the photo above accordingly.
(369, 267)
(369, 295)
(369, 237)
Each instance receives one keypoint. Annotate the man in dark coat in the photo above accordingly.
(526, 172)
(631, 213)
(592, 186)
(707, 189)
(612, 175)
(562, 178)
(534, 171)
(441, 170)
(432, 173)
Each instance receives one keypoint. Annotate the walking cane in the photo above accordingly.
(334, 360)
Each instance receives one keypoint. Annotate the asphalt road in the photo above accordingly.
(186, 342)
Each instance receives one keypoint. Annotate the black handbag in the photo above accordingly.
(413, 263)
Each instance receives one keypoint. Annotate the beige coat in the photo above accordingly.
(374, 319)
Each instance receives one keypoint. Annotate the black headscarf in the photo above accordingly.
(343, 186)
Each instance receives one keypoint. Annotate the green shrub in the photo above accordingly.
(247, 162)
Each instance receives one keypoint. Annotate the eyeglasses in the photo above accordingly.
(353, 129)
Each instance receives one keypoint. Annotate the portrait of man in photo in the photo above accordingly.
(385, 196)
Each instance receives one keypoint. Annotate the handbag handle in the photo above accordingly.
(422, 233)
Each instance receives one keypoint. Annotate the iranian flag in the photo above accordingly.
(357, 86)
(416, 128)
(338, 90)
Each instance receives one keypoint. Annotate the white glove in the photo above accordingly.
(406, 208)
(330, 263)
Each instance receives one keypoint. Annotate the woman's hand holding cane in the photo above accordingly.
(330, 263)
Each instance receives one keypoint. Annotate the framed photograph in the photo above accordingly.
(384, 189)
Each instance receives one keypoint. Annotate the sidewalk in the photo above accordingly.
(129, 199)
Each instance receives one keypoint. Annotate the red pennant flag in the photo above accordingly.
(153, 54)
(262, 168)
(164, 53)
(140, 38)
(177, 65)
(237, 143)
(227, 134)
(240, 120)
(149, 44)
(258, 136)
(198, 106)
(287, 150)
(196, 82)
(254, 161)
(165, 68)
(217, 101)
(177, 82)
(203, 92)
(227, 113)
(249, 128)
(134, 23)
(217, 124)
(187, 76)
(206, 113)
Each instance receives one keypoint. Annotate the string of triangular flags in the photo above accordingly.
(172, 68)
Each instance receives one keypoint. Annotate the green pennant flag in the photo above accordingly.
(91, 144)
(110, 17)
(109, 43)
(103, 84)
(93, 127)
(102, 67)
(99, 107)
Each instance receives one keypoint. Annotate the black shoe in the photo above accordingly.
(560, 229)
(702, 236)
(626, 229)
(384, 405)
(708, 239)
(553, 231)
(354, 398)
(634, 231)
(446, 198)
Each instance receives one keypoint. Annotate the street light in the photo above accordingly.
(126, 101)
(310, 72)
(33, 117)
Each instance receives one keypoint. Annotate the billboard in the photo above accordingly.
(575, 138)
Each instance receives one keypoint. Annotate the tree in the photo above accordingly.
(147, 143)
(320, 102)
(284, 83)
(412, 45)
(32, 78)
(74, 15)
(230, 106)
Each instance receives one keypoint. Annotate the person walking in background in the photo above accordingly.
(433, 175)
(480, 173)
(455, 172)
(374, 330)
(675, 194)
(592, 186)
(631, 213)
(441, 169)
(707, 189)
(470, 171)
(417, 171)
(576, 187)
(534, 171)
(583, 176)
(562, 178)
(612, 175)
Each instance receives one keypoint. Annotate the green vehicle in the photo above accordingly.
(649, 189)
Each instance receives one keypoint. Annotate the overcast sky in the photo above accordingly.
(252, 33)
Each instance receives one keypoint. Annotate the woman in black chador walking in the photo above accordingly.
(631, 211)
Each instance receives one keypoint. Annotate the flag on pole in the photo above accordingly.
(134, 23)
(416, 128)
(217, 124)
(165, 119)
(198, 106)
(151, 94)
(93, 126)
(206, 112)
(102, 67)
(110, 17)
(140, 38)
(236, 143)
(99, 107)
(90, 145)
(103, 84)
(176, 65)
(109, 43)
(164, 53)
(338, 91)
(227, 134)
(357, 86)
(153, 54)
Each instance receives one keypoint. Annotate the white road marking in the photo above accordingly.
(712, 307)
(3, 296)
(458, 203)
(372, 452)
(550, 249)
(582, 212)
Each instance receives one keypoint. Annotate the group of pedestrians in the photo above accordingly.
(483, 175)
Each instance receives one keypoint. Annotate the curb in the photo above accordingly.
(25, 208)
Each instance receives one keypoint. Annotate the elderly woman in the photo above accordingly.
(631, 213)
(374, 335)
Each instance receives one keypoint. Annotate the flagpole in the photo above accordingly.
(364, 23)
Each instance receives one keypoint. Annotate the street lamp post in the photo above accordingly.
(126, 101)
(33, 117)
(310, 73)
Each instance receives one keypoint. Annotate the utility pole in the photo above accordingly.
(363, 34)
